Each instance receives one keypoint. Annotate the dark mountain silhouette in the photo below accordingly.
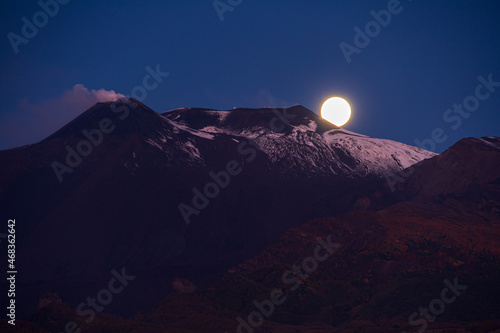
(405, 218)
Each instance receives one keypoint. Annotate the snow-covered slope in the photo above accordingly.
(301, 144)
(376, 155)
(294, 142)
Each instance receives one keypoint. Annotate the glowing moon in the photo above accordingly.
(336, 110)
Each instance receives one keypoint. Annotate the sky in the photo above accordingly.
(401, 65)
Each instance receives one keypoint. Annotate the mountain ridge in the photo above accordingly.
(127, 191)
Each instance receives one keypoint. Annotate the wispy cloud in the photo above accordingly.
(32, 122)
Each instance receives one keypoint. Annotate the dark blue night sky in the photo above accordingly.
(264, 53)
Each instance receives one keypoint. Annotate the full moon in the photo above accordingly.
(336, 110)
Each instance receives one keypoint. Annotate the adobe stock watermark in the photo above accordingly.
(222, 6)
(372, 29)
(103, 298)
(296, 276)
(29, 29)
(437, 306)
(248, 150)
(459, 112)
(453, 116)
(94, 137)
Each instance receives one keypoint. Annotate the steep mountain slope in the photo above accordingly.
(104, 191)
(471, 162)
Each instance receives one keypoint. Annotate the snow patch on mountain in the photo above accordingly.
(192, 149)
(222, 115)
(381, 155)
(179, 127)
(304, 147)
(159, 140)
(338, 131)
(311, 126)
(337, 152)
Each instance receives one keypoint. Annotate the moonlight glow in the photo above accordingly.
(336, 110)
